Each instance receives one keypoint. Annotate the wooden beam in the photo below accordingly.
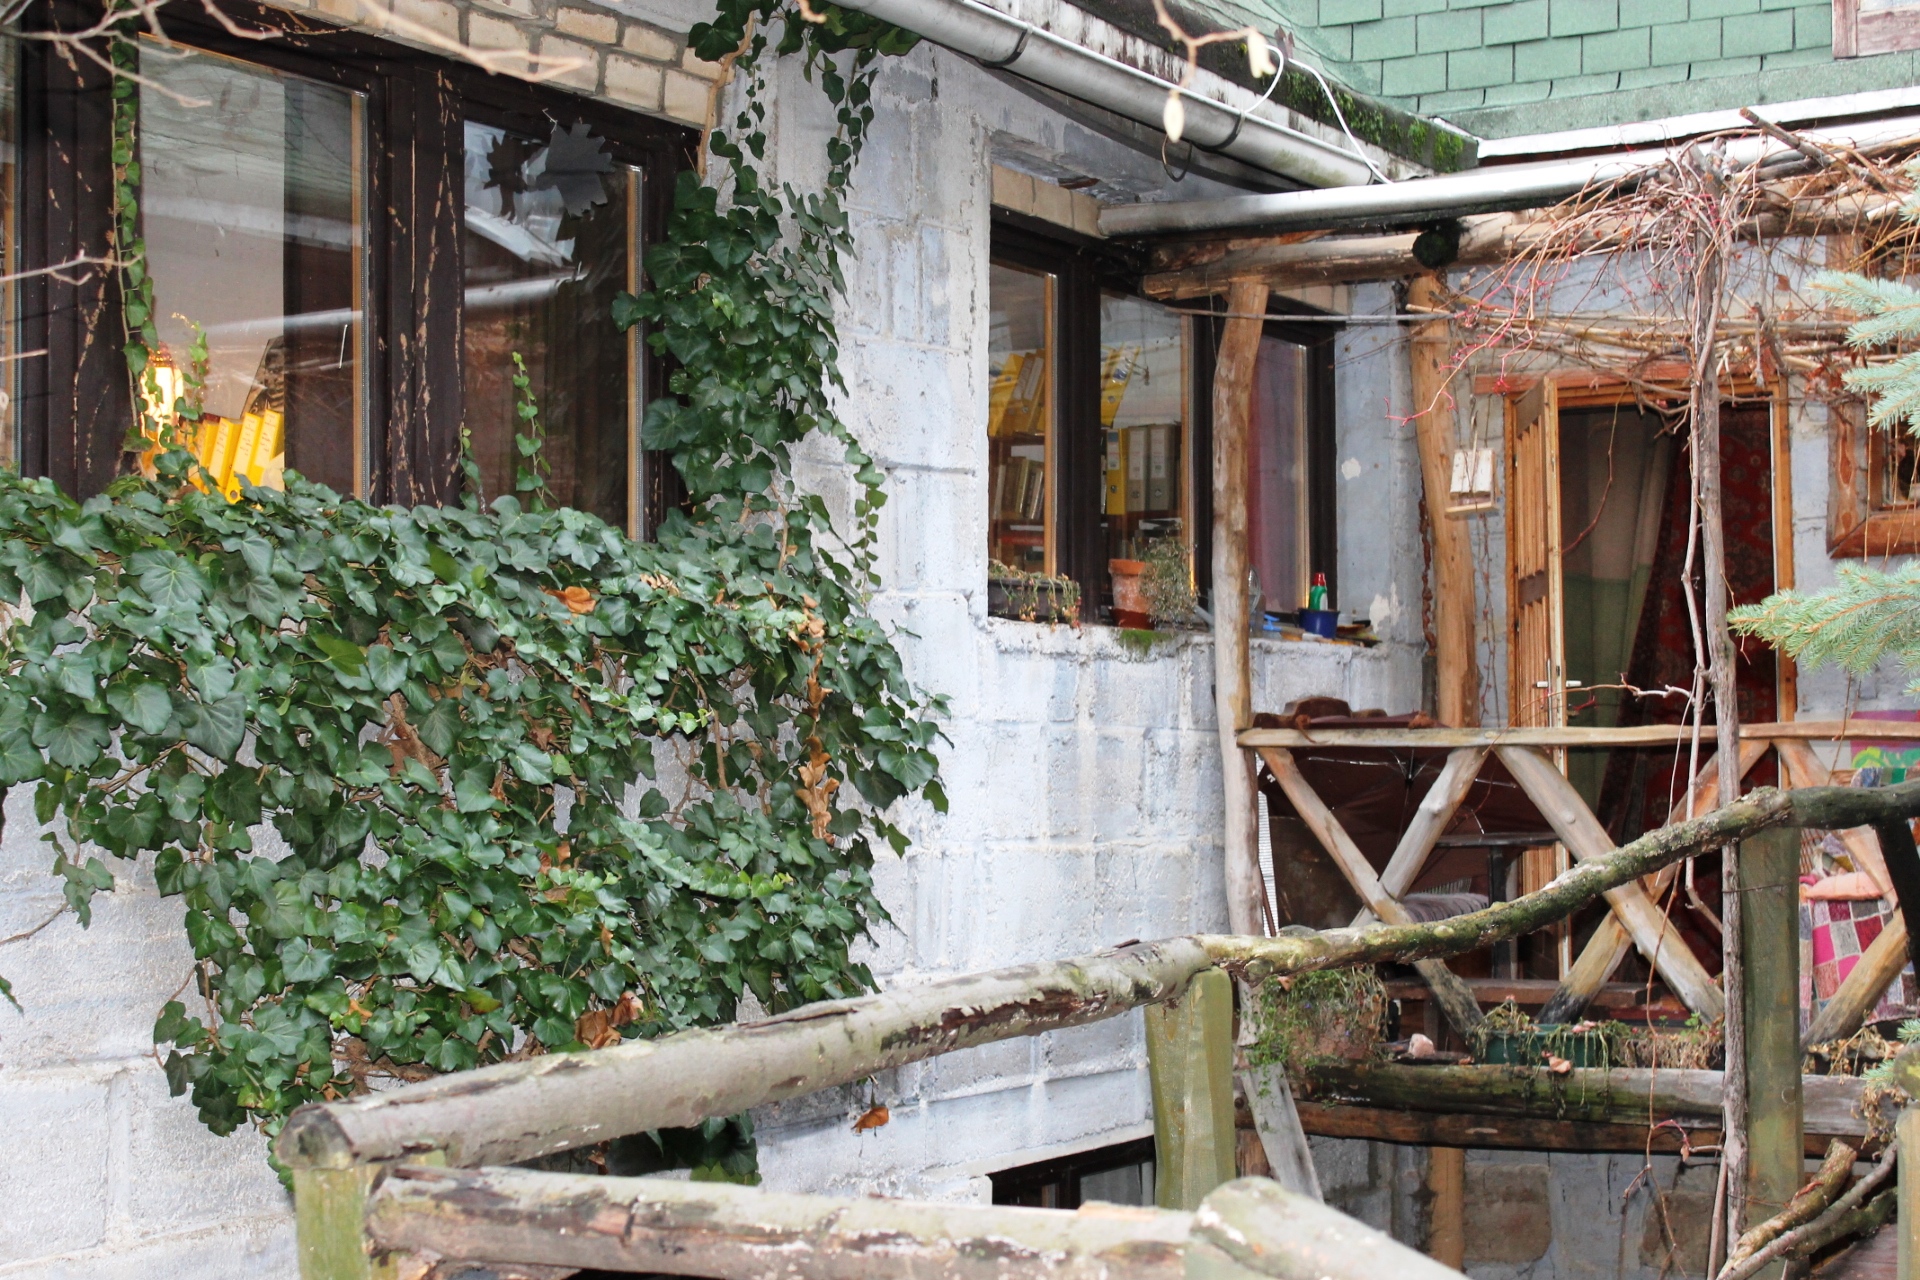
(1618, 1095)
(1651, 735)
(1248, 1229)
(1769, 879)
(1906, 1131)
(1447, 1206)
(1430, 819)
(1190, 1062)
(1277, 1120)
(1522, 1133)
(1232, 670)
(1604, 951)
(1429, 354)
(1585, 838)
(1453, 995)
(1804, 767)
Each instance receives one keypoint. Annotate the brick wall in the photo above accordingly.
(1500, 67)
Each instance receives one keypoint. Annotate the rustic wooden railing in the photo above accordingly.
(394, 1183)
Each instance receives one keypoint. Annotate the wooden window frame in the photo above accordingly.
(1861, 35)
(1855, 529)
(74, 407)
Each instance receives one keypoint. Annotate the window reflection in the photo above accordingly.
(1143, 409)
(550, 236)
(1020, 374)
(251, 209)
(1277, 508)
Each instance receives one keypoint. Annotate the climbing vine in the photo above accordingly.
(448, 786)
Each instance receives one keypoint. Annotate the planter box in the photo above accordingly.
(1025, 601)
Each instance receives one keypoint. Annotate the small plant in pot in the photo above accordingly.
(1130, 594)
(1168, 584)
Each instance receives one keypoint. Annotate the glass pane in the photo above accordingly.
(1019, 417)
(1277, 476)
(1143, 411)
(9, 251)
(252, 212)
(551, 225)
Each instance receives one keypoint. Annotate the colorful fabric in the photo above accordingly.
(1833, 937)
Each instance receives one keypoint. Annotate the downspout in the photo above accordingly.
(1483, 190)
(1000, 41)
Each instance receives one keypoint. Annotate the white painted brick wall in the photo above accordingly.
(1083, 778)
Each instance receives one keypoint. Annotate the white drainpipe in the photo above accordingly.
(1475, 191)
(1033, 53)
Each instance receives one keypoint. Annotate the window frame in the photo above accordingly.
(1862, 35)
(74, 408)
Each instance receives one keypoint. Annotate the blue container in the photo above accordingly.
(1320, 622)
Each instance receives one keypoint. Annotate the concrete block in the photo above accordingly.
(1083, 1107)
(1117, 1044)
(1757, 33)
(179, 1175)
(1447, 31)
(1393, 38)
(517, 8)
(241, 1249)
(1401, 77)
(1478, 68)
(1614, 51)
(596, 25)
(686, 98)
(55, 1179)
(1580, 17)
(633, 82)
(1338, 12)
(1546, 59)
(1507, 1205)
(1513, 23)
(648, 43)
(1678, 43)
(693, 64)
(1009, 1064)
(435, 15)
(484, 32)
(582, 62)
(1813, 26)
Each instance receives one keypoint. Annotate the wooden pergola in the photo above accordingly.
(1635, 918)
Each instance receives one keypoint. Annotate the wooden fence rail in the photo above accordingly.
(343, 1153)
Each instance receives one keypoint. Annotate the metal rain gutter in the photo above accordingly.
(1003, 42)
(1483, 190)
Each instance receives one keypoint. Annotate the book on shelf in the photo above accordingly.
(1116, 472)
(1136, 453)
(1159, 494)
(1026, 406)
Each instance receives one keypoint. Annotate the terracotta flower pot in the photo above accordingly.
(1130, 593)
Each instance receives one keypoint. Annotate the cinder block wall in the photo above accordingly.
(1083, 777)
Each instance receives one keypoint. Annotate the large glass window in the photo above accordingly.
(1020, 417)
(1143, 412)
(1279, 529)
(252, 213)
(550, 237)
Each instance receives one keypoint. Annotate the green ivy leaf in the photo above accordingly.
(144, 704)
(342, 653)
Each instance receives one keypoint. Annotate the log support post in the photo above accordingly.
(1769, 870)
(1447, 1206)
(330, 1208)
(1456, 669)
(1906, 1131)
(1232, 664)
(1190, 1059)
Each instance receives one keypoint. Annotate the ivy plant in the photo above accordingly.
(448, 786)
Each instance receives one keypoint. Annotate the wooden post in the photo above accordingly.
(1769, 869)
(1458, 670)
(1447, 1206)
(1190, 1059)
(1277, 1120)
(1907, 1131)
(1232, 667)
(329, 1208)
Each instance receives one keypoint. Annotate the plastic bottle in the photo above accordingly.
(1317, 594)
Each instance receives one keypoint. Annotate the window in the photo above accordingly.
(1121, 1174)
(1864, 27)
(367, 237)
(1098, 433)
(1873, 500)
(1020, 418)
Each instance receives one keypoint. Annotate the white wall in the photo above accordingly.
(1083, 777)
